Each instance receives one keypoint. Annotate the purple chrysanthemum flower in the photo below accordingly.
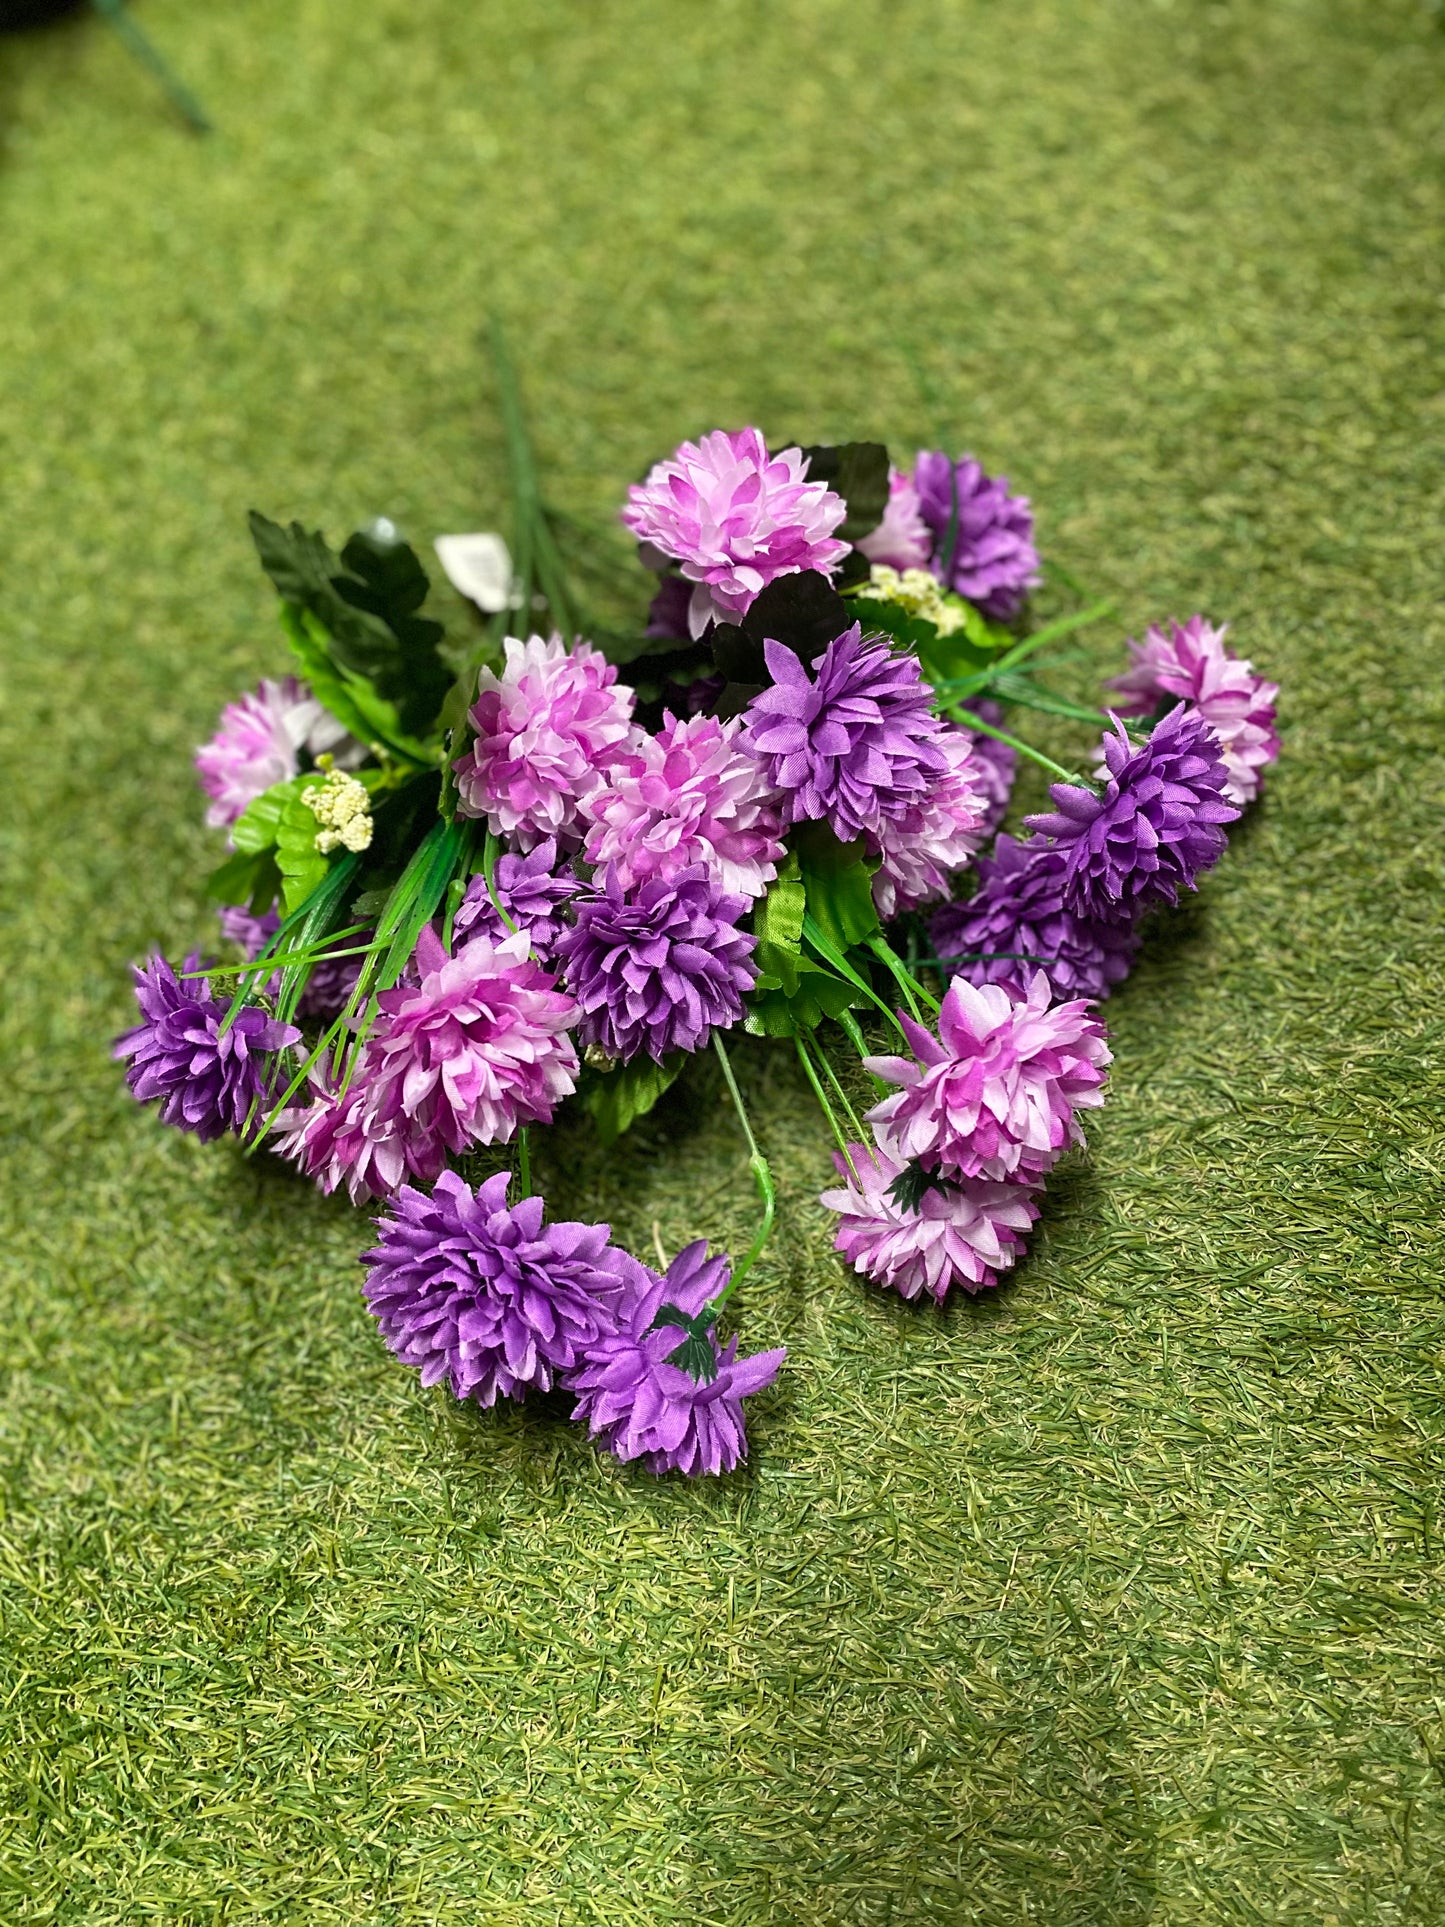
(639, 1405)
(902, 539)
(259, 742)
(995, 563)
(330, 981)
(475, 1047)
(546, 729)
(925, 848)
(735, 518)
(854, 744)
(995, 1094)
(660, 968)
(691, 794)
(533, 892)
(1193, 663)
(249, 934)
(1157, 826)
(1018, 922)
(486, 1295)
(931, 1234)
(997, 762)
(207, 1074)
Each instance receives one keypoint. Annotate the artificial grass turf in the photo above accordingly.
(1114, 1596)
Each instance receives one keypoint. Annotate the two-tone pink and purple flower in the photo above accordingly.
(923, 1238)
(1191, 663)
(546, 730)
(734, 518)
(996, 1094)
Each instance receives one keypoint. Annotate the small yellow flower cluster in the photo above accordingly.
(918, 592)
(342, 808)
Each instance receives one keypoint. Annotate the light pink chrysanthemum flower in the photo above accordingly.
(1192, 662)
(962, 1232)
(690, 794)
(258, 743)
(546, 730)
(994, 1095)
(924, 850)
(735, 518)
(472, 1049)
(902, 540)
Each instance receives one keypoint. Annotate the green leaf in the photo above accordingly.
(778, 926)
(838, 884)
(301, 864)
(256, 828)
(364, 604)
(352, 700)
(943, 659)
(621, 1096)
(803, 610)
(697, 1354)
(248, 877)
(858, 471)
(821, 993)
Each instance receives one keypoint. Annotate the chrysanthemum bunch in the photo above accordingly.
(479, 885)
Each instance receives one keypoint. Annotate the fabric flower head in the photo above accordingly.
(209, 1076)
(924, 849)
(1018, 921)
(1192, 663)
(488, 1296)
(660, 968)
(994, 562)
(546, 730)
(472, 1049)
(691, 794)
(259, 742)
(1157, 826)
(639, 1405)
(948, 1232)
(854, 744)
(735, 518)
(902, 540)
(997, 1092)
(532, 891)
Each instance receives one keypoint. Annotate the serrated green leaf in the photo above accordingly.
(364, 603)
(256, 828)
(778, 926)
(838, 884)
(302, 865)
(621, 1096)
(820, 993)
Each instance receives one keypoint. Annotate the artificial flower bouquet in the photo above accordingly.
(471, 884)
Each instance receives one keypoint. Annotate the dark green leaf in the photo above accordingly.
(778, 926)
(858, 471)
(619, 1097)
(803, 610)
(697, 1355)
(738, 654)
(820, 993)
(838, 882)
(248, 877)
(365, 606)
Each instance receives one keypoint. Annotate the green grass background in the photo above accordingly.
(1113, 1598)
